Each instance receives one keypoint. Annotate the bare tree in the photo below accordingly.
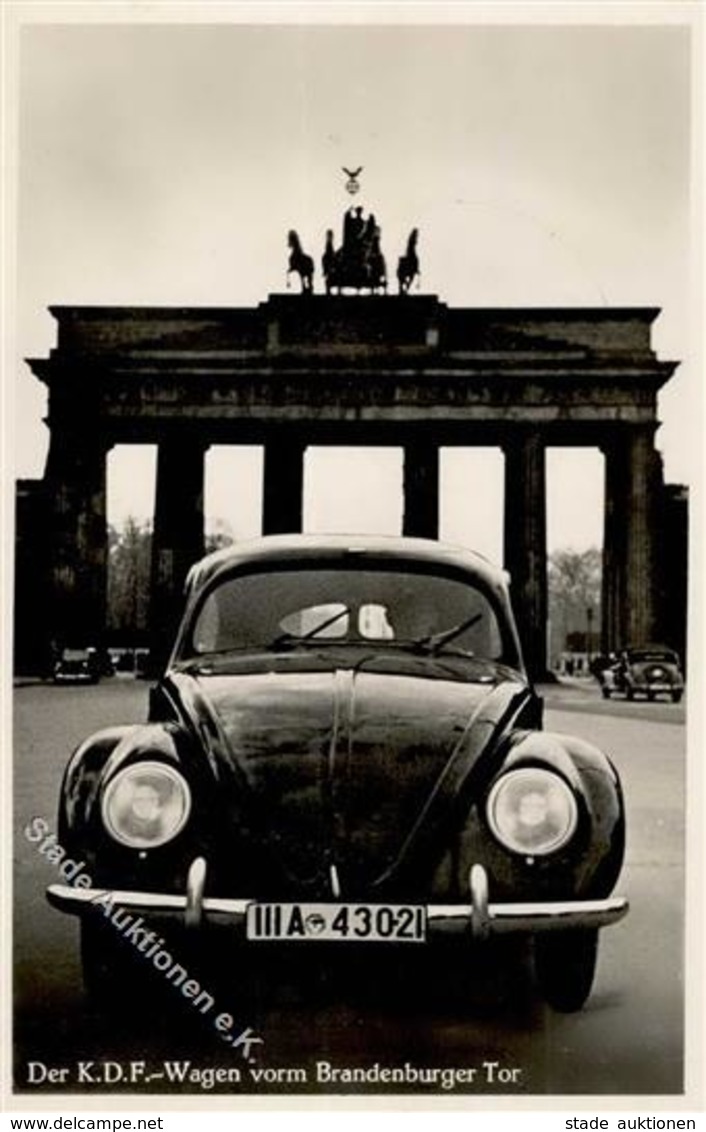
(129, 552)
(129, 562)
(574, 581)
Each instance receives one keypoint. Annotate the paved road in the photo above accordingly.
(628, 1040)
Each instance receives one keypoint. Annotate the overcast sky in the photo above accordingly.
(164, 164)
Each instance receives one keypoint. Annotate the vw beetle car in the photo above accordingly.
(649, 671)
(345, 752)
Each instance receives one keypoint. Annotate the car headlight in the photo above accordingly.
(146, 805)
(532, 811)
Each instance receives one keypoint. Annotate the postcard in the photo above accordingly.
(356, 430)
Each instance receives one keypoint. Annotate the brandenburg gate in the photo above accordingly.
(340, 369)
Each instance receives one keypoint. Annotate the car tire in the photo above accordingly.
(564, 966)
(651, 697)
(676, 697)
(605, 693)
(630, 693)
(110, 970)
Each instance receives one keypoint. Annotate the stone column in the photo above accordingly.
(421, 489)
(613, 587)
(632, 494)
(178, 536)
(76, 487)
(283, 484)
(525, 541)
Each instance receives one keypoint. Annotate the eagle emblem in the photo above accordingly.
(352, 184)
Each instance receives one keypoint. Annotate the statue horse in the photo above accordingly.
(408, 264)
(329, 262)
(300, 262)
(375, 266)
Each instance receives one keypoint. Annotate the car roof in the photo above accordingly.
(278, 549)
(662, 649)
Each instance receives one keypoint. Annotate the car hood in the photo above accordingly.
(354, 775)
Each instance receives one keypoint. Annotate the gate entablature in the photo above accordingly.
(359, 362)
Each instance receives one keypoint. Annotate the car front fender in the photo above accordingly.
(596, 784)
(99, 758)
(588, 866)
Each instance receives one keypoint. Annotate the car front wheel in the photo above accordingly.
(676, 697)
(565, 965)
(110, 972)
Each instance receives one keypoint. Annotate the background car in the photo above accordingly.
(345, 754)
(78, 665)
(649, 671)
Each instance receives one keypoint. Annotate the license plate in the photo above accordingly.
(309, 923)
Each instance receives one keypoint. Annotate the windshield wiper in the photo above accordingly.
(435, 641)
(293, 639)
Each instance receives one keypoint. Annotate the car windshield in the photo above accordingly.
(320, 606)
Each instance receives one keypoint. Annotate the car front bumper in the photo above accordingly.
(478, 917)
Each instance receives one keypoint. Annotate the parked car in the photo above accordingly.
(345, 751)
(78, 666)
(649, 671)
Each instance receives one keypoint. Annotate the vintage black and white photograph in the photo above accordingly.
(356, 426)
